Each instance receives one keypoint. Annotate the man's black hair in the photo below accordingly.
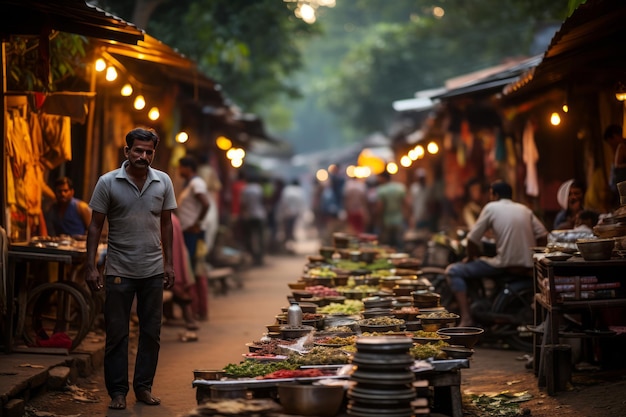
(501, 188)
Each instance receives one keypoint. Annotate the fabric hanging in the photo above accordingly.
(530, 156)
(56, 138)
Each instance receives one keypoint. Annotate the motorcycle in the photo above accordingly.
(502, 304)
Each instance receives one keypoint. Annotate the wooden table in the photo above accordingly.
(550, 306)
(68, 259)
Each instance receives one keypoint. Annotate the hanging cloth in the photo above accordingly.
(530, 156)
(19, 151)
(500, 147)
(57, 139)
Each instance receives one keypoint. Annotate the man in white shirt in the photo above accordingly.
(253, 219)
(515, 229)
(193, 205)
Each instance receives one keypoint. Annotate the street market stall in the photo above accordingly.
(366, 325)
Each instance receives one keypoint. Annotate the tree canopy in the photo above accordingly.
(336, 80)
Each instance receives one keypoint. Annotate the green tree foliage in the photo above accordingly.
(393, 60)
(28, 69)
(249, 47)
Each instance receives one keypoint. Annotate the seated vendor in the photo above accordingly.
(68, 215)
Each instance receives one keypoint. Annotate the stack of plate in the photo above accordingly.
(383, 378)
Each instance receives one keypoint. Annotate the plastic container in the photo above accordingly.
(294, 315)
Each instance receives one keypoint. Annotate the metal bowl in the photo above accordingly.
(457, 352)
(596, 249)
(209, 374)
(311, 400)
(288, 332)
(464, 336)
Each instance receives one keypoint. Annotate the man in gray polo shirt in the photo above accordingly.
(138, 201)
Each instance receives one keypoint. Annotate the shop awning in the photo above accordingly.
(151, 61)
(587, 48)
(39, 17)
(491, 80)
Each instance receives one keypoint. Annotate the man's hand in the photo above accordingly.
(94, 279)
(168, 278)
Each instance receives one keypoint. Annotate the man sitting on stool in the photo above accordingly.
(515, 229)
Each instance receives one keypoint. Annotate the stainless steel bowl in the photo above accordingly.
(311, 400)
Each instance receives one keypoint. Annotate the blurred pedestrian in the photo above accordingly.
(193, 205)
(291, 205)
(214, 186)
(137, 201)
(392, 209)
(355, 205)
(193, 212)
(184, 286)
(474, 201)
(253, 218)
(419, 199)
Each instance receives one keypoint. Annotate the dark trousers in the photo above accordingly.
(254, 238)
(120, 293)
(191, 242)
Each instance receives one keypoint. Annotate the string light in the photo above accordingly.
(321, 175)
(140, 102)
(555, 119)
(154, 114)
(223, 143)
(100, 65)
(182, 137)
(127, 90)
(111, 74)
(392, 168)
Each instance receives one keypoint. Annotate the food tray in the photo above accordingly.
(263, 383)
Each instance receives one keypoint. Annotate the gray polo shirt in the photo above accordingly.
(134, 216)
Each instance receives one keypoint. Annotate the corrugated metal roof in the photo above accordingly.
(37, 17)
(494, 81)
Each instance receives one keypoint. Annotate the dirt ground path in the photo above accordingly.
(493, 371)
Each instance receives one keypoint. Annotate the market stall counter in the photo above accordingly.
(52, 307)
(361, 335)
(573, 285)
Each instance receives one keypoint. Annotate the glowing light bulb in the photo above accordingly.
(127, 90)
(555, 119)
(405, 161)
(154, 114)
(239, 153)
(419, 149)
(236, 163)
(321, 175)
(432, 148)
(223, 143)
(182, 137)
(111, 74)
(100, 65)
(140, 102)
(565, 108)
(392, 168)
